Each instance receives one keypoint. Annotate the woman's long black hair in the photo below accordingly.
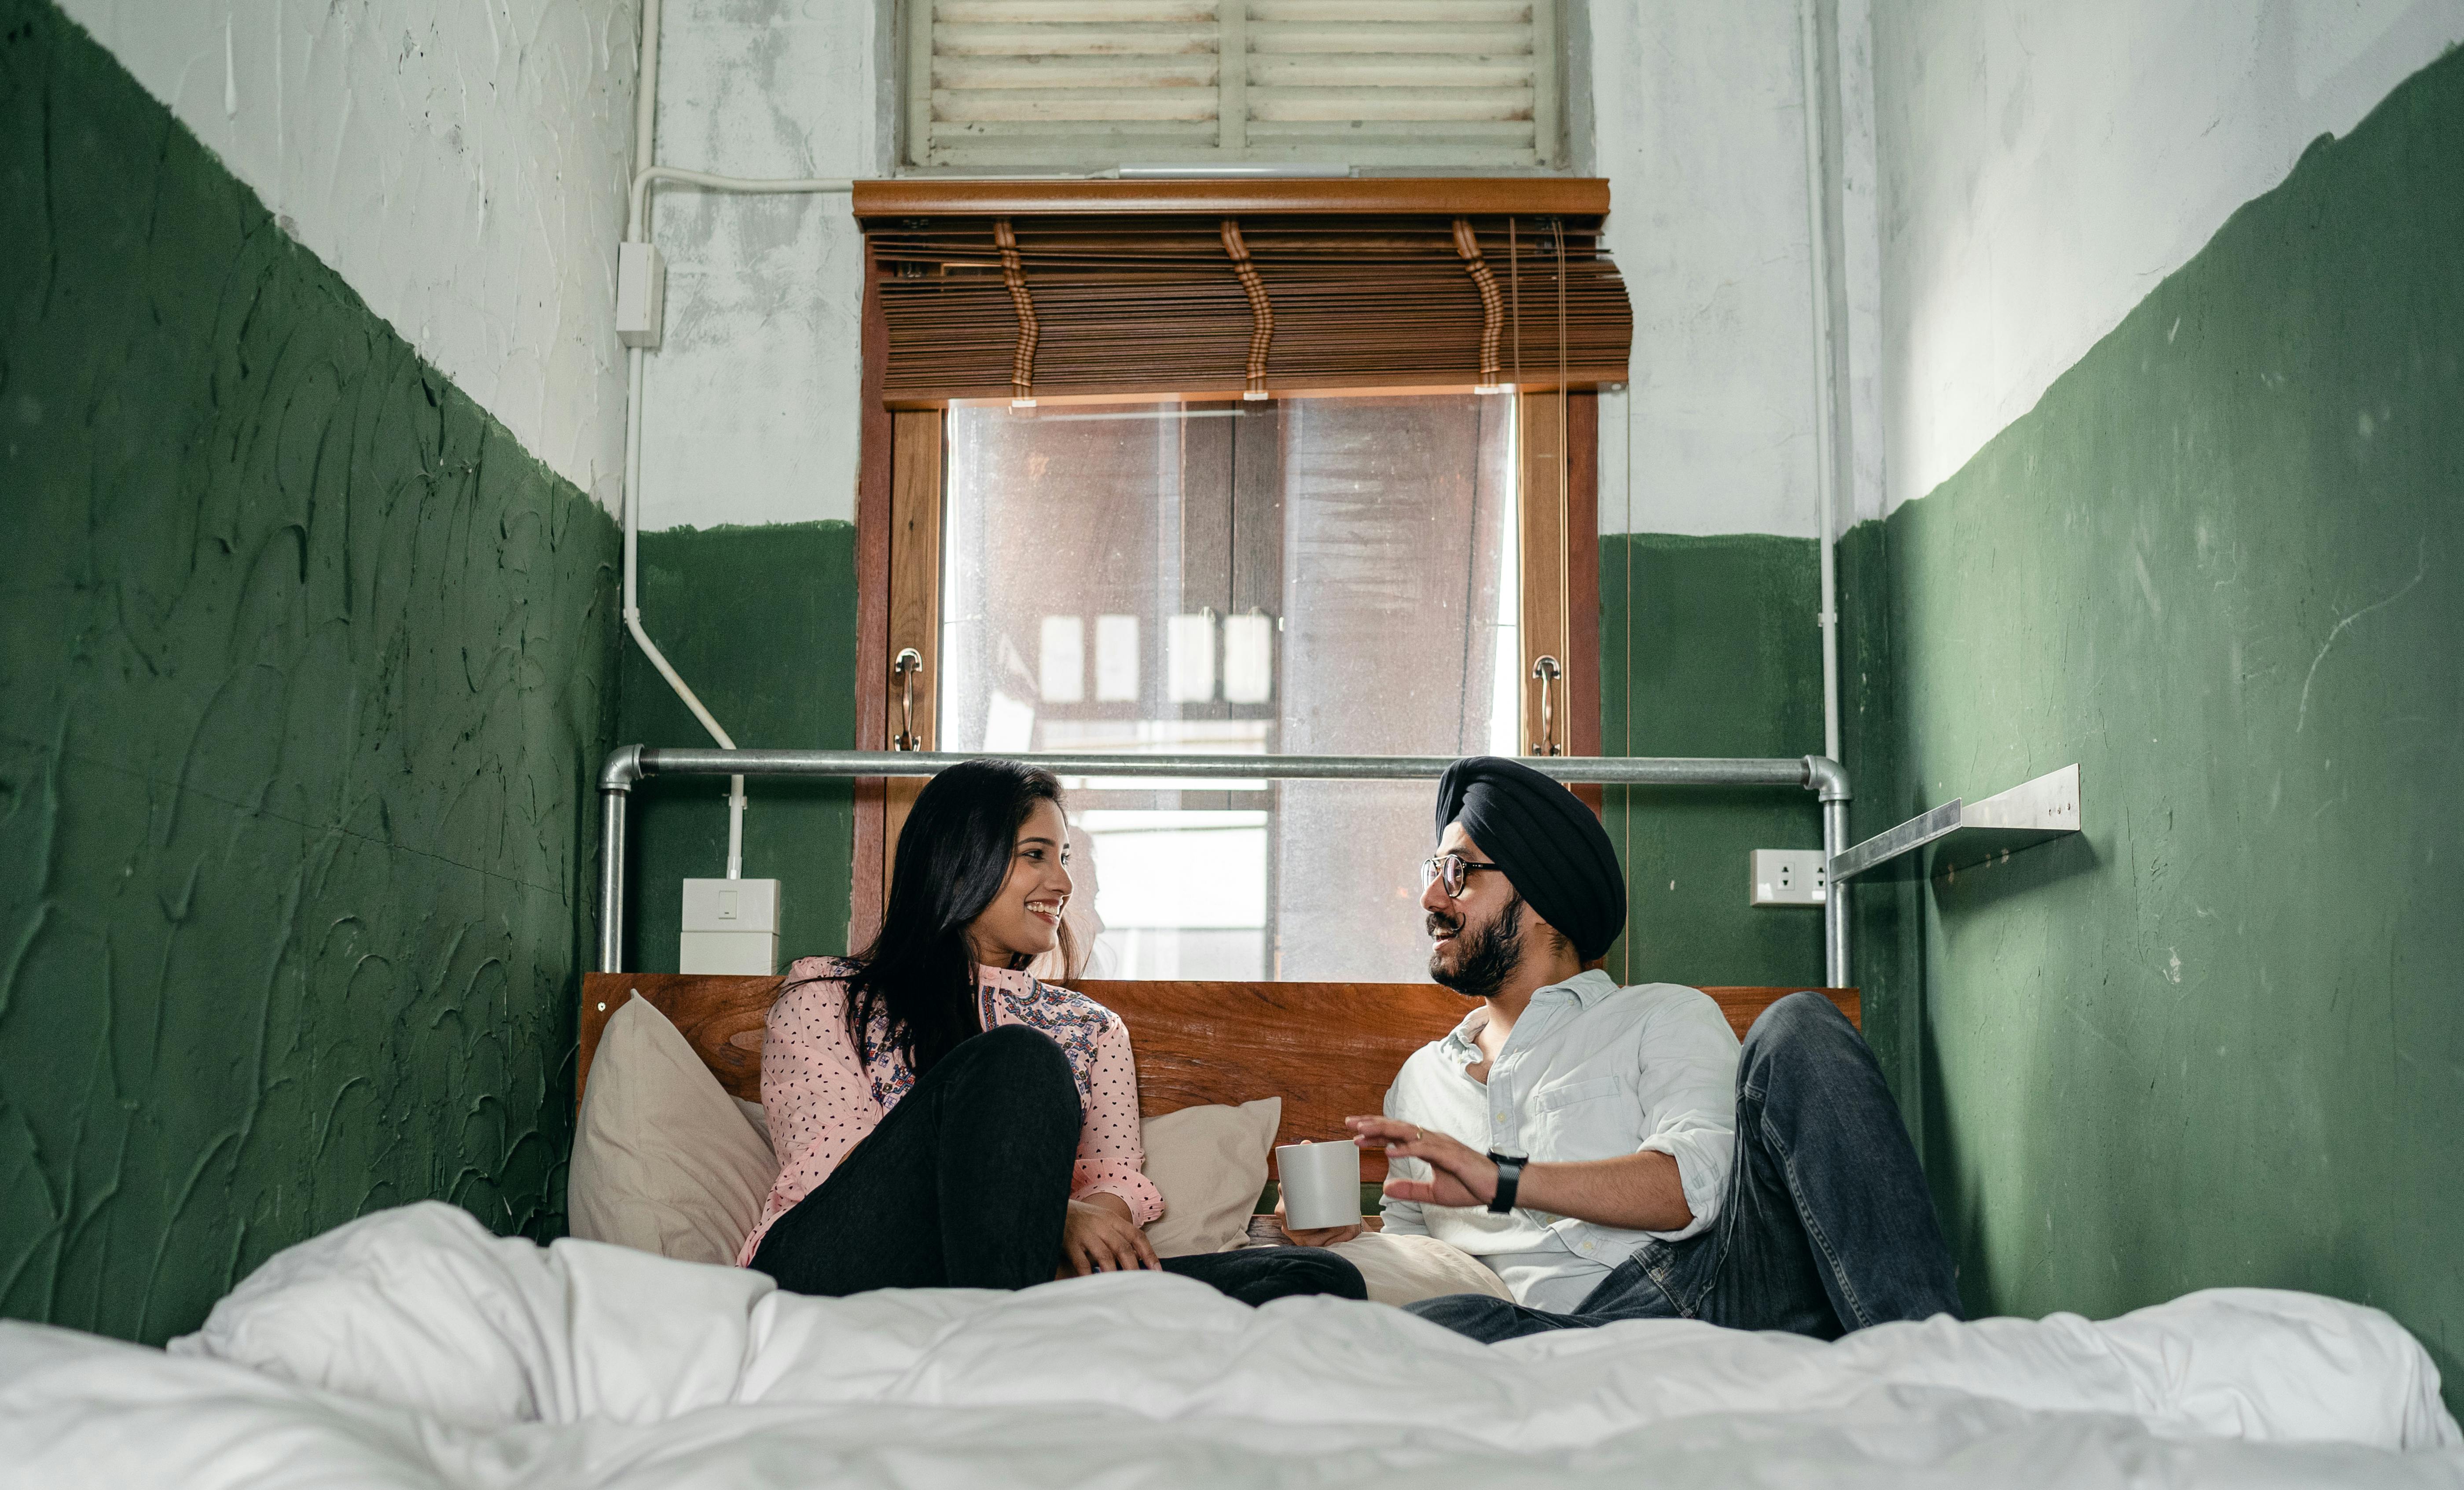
(954, 855)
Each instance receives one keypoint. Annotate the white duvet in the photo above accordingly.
(411, 1349)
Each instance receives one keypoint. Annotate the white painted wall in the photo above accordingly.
(461, 163)
(2045, 165)
(753, 398)
(1700, 127)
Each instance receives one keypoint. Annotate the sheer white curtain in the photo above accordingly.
(1309, 576)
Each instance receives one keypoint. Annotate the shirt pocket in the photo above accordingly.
(1570, 1094)
(1574, 1120)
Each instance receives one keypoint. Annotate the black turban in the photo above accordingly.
(1545, 839)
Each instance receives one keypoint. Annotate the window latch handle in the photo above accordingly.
(1552, 681)
(907, 667)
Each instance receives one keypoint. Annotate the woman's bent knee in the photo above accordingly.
(1019, 1061)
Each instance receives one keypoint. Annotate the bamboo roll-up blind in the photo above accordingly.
(1030, 306)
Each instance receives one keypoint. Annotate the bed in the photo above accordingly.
(413, 1348)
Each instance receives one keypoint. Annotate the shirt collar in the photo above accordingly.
(1587, 988)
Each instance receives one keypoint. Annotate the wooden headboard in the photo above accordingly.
(1326, 1049)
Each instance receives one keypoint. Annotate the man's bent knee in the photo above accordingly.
(1798, 1022)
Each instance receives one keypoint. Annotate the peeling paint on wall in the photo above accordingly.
(753, 399)
(305, 664)
(2214, 1038)
(461, 163)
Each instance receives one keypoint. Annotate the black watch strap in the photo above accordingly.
(1509, 1178)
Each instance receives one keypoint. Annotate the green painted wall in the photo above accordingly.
(305, 664)
(761, 621)
(2217, 1039)
(1708, 646)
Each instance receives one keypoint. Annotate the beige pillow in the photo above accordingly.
(1402, 1270)
(661, 1159)
(1210, 1162)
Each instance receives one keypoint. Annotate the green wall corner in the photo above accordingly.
(1710, 646)
(761, 622)
(306, 663)
(2216, 1038)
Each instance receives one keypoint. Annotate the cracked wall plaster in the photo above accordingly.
(461, 163)
(306, 665)
(752, 400)
(2044, 166)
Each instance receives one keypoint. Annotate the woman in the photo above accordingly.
(948, 1121)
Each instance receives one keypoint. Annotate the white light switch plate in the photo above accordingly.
(731, 905)
(730, 925)
(1788, 876)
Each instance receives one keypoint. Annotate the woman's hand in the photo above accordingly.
(1098, 1236)
(1324, 1236)
(1460, 1176)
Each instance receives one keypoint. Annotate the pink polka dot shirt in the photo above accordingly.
(822, 1100)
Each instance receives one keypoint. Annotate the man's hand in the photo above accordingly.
(1324, 1236)
(1459, 1175)
(1098, 1236)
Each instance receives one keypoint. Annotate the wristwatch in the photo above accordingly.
(1510, 1175)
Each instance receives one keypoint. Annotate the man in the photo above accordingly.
(1582, 1139)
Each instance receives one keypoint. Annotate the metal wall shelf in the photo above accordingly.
(1964, 833)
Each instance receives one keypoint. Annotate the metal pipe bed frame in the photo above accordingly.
(629, 764)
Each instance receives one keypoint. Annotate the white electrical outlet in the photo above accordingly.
(1789, 877)
(730, 925)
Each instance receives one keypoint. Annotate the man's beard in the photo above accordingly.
(1487, 957)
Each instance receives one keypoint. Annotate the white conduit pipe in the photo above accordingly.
(1826, 404)
(1826, 392)
(646, 112)
(646, 118)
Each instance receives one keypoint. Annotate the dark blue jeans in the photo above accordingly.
(1827, 1228)
(965, 1182)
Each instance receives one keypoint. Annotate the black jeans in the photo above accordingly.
(965, 1182)
(1827, 1228)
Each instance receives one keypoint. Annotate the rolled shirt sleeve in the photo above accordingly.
(1111, 1153)
(1687, 1088)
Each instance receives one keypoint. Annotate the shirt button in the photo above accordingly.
(1500, 1117)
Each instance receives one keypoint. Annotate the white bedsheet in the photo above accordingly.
(412, 1348)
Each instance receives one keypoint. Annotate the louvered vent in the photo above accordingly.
(1075, 84)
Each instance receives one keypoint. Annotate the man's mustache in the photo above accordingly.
(1443, 925)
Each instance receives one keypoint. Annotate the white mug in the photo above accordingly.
(1321, 1184)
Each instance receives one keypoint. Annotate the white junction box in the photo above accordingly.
(730, 925)
(1788, 876)
(640, 295)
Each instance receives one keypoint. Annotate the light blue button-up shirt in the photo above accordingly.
(1591, 1071)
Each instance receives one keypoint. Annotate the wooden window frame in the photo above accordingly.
(901, 464)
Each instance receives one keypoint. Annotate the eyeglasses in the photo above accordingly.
(1451, 869)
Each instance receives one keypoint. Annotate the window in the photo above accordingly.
(1305, 576)
(1224, 468)
(1087, 84)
